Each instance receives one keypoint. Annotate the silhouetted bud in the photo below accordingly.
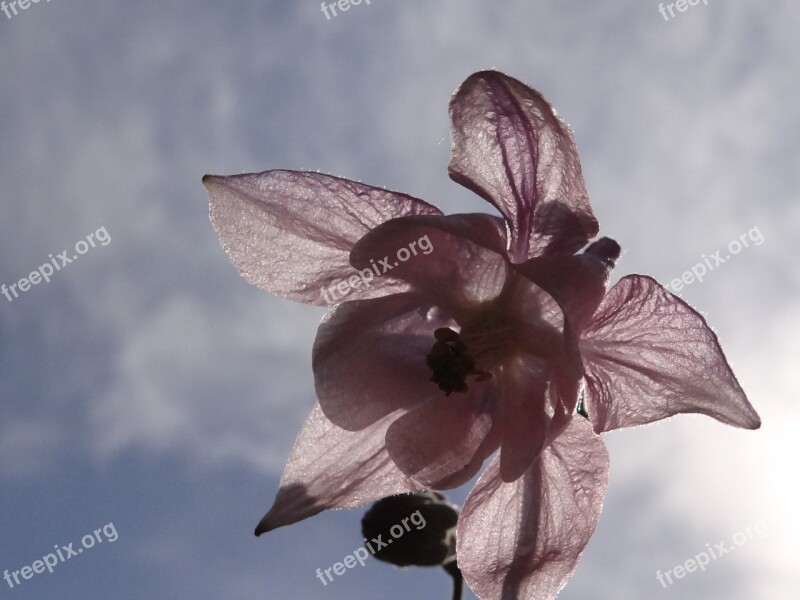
(606, 250)
(411, 529)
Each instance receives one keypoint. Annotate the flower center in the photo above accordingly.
(451, 362)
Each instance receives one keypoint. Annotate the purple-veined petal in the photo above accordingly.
(291, 232)
(369, 358)
(333, 468)
(524, 539)
(511, 148)
(648, 355)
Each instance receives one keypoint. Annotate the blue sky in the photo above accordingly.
(148, 385)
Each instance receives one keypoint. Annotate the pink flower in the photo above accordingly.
(481, 347)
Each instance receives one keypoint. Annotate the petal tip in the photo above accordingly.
(208, 179)
(263, 527)
(755, 422)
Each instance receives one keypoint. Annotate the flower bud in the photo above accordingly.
(411, 529)
(605, 249)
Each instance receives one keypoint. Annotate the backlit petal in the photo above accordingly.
(290, 232)
(577, 282)
(438, 442)
(333, 468)
(524, 539)
(454, 260)
(523, 418)
(369, 358)
(649, 355)
(511, 148)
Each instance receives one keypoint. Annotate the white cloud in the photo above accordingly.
(217, 388)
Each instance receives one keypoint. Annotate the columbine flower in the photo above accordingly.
(481, 347)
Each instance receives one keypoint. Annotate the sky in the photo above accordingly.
(149, 394)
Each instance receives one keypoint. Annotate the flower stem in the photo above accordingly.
(458, 579)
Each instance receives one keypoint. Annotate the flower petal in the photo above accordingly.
(333, 468)
(441, 442)
(524, 539)
(460, 263)
(369, 358)
(290, 232)
(523, 418)
(648, 355)
(511, 148)
(577, 282)
(543, 330)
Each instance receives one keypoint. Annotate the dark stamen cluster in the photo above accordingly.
(450, 362)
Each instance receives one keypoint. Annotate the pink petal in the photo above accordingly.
(542, 331)
(649, 355)
(537, 403)
(522, 418)
(459, 274)
(333, 468)
(577, 282)
(290, 232)
(511, 148)
(480, 228)
(441, 442)
(458, 269)
(369, 358)
(524, 539)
